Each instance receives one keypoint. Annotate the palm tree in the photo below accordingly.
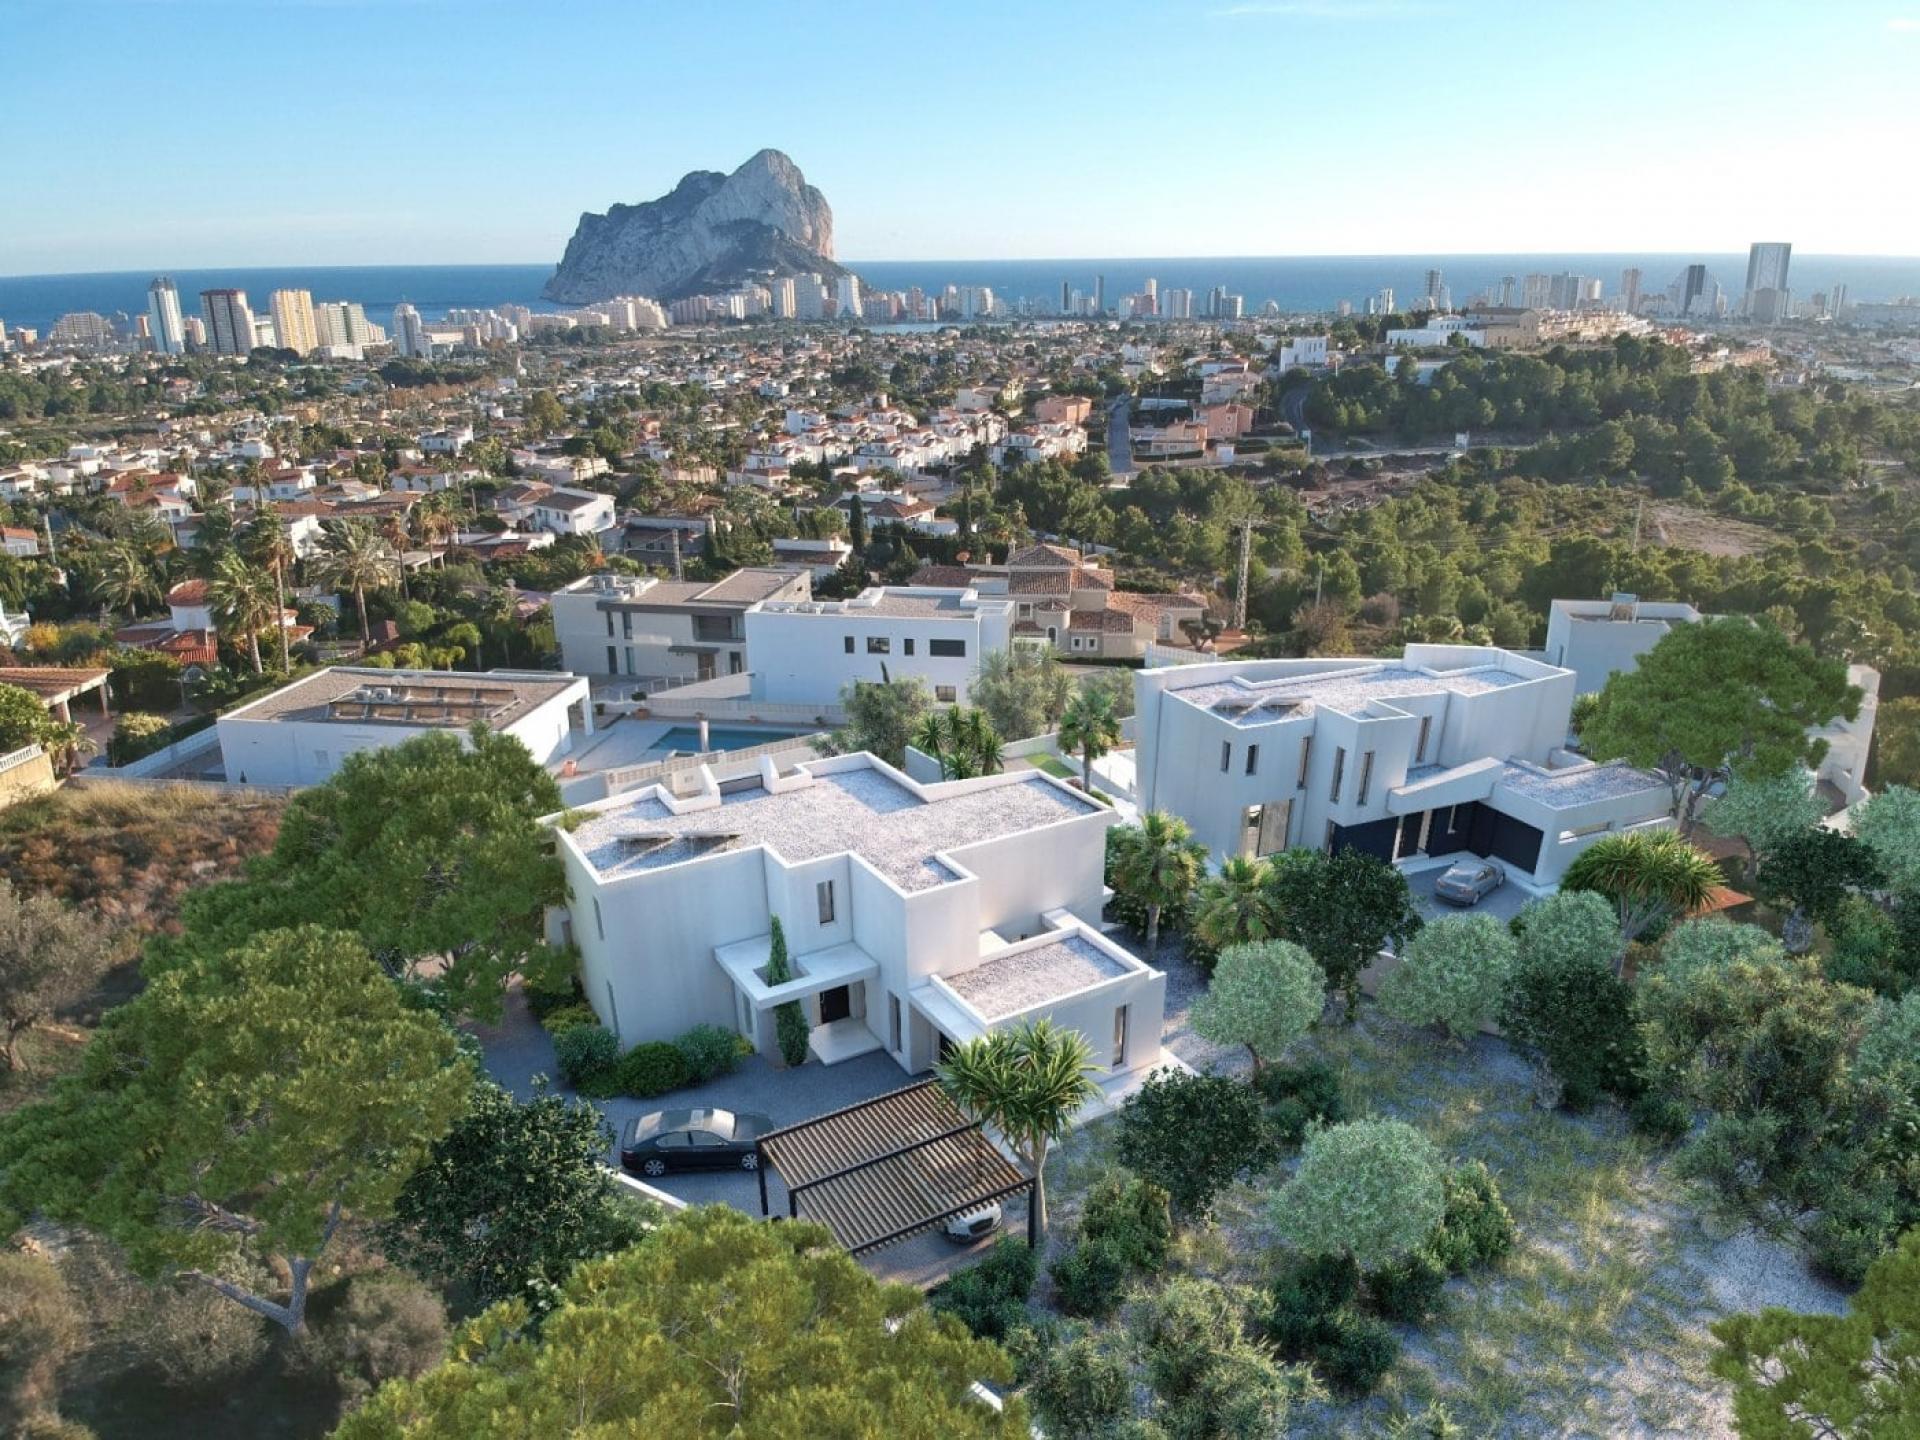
(243, 600)
(1088, 725)
(125, 578)
(265, 543)
(1235, 906)
(1028, 1082)
(977, 740)
(435, 516)
(398, 538)
(930, 739)
(356, 556)
(1157, 863)
(1651, 877)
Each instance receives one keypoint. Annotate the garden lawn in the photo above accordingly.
(1595, 1326)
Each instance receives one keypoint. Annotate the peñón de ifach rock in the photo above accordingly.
(711, 232)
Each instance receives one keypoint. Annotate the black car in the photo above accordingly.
(692, 1140)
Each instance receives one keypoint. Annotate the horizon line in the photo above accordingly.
(972, 260)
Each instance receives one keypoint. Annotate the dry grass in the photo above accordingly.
(1595, 1326)
(130, 852)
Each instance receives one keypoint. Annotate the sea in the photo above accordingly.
(1297, 283)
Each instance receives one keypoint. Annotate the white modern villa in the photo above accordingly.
(807, 652)
(302, 733)
(1449, 749)
(917, 916)
(1596, 638)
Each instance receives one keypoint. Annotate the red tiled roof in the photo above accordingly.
(944, 576)
(1045, 582)
(191, 647)
(188, 592)
(1110, 622)
(1044, 557)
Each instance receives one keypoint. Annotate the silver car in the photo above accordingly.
(1468, 882)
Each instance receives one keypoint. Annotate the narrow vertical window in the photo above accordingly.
(1226, 756)
(1426, 729)
(893, 1023)
(1120, 1036)
(1339, 771)
(1306, 758)
(1366, 778)
(599, 928)
(823, 896)
(1253, 759)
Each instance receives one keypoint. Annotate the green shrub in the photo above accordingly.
(1358, 1353)
(1305, 1300)
(1476, 1228)
(1088, 1279)
(1193, 1135)
(136, 734)
(568, 1017)
(1080, 1391)
(990, 1299)
(543, 1002)
(1659, 1116)
(1571, 1010)
(1409, 1290)
(712, 1051)
(585, 1056)
(1299, 1095)
(1132, 1215)
(651, 1069)
(1855, 1228)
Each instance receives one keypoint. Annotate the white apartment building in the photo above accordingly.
(294, 322)
(165, 326)
(1596, 638)
(1451, 748)
(229, 321)
(301, 733)
(917, 917)
(660, 633)
(807, 652)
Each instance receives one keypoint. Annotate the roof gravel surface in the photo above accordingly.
(862, 811)
(1011, 982)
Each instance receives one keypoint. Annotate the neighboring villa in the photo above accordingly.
(660, 633)
(1451, 748)
(807, 652)
(1596, 638)
(917, 917)
(1068, 601)
(301, 733)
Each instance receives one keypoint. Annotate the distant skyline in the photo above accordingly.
(194, 134)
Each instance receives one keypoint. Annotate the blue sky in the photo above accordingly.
(148, 133)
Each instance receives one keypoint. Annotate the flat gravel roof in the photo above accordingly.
(1341, 690)
(1012, 981)
(865, 811)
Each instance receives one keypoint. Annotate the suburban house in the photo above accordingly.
(665, 632)
(1450, 748)
(1068, 601)
(1596, 638)
(809, 651)
(916, 917)
(300, 734)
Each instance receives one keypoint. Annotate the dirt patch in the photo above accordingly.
(1685, 528)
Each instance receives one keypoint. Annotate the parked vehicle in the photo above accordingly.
(974, 1224)
(1469, 882)
(667, 1140)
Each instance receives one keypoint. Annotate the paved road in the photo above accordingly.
(1293, 407)
(1119, 440)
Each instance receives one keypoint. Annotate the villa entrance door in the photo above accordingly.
(835, 1004)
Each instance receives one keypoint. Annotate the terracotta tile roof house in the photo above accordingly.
(1070, 602)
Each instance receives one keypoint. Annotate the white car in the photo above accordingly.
(975, 1224)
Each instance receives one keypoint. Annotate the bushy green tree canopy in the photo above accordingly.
(1370, 1190)
(244, 1104)
(1263, 996)
(718, 1325)
(1452, 974)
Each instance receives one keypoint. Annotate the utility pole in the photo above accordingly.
(1319, 579)
(1639, 511)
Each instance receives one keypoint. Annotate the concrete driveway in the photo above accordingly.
(1503, 904)
(517, 1051)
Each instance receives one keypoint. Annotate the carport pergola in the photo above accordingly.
(889, 1168)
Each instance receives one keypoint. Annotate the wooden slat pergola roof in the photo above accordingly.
(888, 1168)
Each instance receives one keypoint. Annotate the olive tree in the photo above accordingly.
(1452, 974)
(1263, 996)
(1369, 1190)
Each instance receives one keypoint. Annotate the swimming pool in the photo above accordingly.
(719, 737)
